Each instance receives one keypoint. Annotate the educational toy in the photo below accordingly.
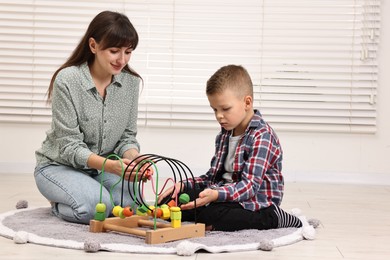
(126, 221)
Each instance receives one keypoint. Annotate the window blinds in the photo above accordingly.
(313, 63)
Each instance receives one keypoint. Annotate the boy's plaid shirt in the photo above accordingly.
(257, 179)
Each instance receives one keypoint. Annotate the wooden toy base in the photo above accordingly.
(163, 233)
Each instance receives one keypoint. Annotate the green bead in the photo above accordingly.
(176, 215)
(143, 209)
(184, 198)
(100, 216)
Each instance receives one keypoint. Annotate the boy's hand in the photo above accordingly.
(178, 188)
(205, 197)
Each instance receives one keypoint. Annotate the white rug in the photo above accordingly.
(39, 226)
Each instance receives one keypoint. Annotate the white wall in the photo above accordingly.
(327, 157)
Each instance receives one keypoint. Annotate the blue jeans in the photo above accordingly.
(74, 194)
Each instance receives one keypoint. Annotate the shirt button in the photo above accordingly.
(105, 121)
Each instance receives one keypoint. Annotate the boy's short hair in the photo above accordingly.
(233, 77)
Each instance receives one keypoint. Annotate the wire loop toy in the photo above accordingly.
(129, 219)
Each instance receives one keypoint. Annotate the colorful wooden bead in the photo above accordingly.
(100, 216)
(172, 203)
(128, 212)
(184, 198)
(116, 210)
(143, 209)
(175, 213)
(175, 217)
(166, 213)
(159, 213)
(100, 207)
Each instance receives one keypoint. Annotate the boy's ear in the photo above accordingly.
(248, 101)
(92, 45)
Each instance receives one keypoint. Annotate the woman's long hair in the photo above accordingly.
(109, 29)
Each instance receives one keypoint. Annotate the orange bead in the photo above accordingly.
(159, 213)
(127, 212)
(172, 203)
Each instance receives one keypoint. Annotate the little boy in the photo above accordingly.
(244, 186)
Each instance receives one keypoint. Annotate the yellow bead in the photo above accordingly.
(151, 211)
(176, 223)
(100, 207)
(116, 210)
(166, 213)
(175, 209)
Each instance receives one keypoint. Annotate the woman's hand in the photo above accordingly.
(205, 197)
(115, 167)
(146, 170)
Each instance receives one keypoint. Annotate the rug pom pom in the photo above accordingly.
(314, 222)
(266, 245)
(22, 204)
(91, 246)
(21, 237)
(296, 212)
(186, 248)
(309, 232)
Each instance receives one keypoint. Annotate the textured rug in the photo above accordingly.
(39, 226)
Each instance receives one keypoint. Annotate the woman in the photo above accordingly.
(94, 98)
